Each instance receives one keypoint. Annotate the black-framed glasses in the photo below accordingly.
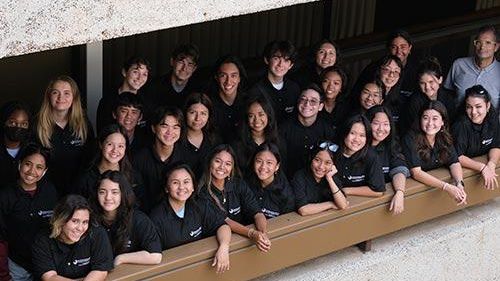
(329, 145)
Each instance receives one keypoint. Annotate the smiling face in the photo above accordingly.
(355, 139)
(265, 166)
(182, 68)
(477, 108)
(75, 227)
(135, 77)
(332, 85)
(279, 65)
(371, 95)
(390, 73)
(228, 78)
(168, 132)
(326, 56)
(381, 127)
(113, 148)
(109, 195)
(321, 164)
(221, 166)
(257, 118)
(309, 104)
(401, 48)
(197, 116)
(31, 170)
(180, 186)
(429, 84)
(61, 96)
(431, 122)
(128, 117)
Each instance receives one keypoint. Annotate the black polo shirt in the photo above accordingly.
(142, 234)
(195, 156)
(23, 216)
(9, 172)
(409, 79)
(275, 199)
(308, 191)
(69, 156)
(245, 150)
(92, 252)
(472, 139)
(227, 117)
(152, 171)
(414, 160)
(299, 140)
(200, 220)
(306, 75)
(283, 101)
(142, 138)
(237, 199)
(390, 159)
(366, 171)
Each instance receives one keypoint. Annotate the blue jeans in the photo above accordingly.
(18, 273)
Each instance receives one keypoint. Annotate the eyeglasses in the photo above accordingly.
(329, 145)
(312, 102)
(387, 71)
(486, 43)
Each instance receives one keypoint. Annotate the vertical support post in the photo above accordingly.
(94, 79)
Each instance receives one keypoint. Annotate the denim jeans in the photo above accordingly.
(18, 273)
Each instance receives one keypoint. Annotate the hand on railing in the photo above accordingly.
(261, 240)
(221, 259)
(397, 205)
(489, 177)
(457, 193)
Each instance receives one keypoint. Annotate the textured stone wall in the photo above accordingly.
(37, 25)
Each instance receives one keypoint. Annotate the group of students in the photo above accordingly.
(173, 164)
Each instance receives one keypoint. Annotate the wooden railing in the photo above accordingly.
(296, 239)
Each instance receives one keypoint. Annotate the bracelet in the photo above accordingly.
(338, 190)
(250, 231)
(483, 168)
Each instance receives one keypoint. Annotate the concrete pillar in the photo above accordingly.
(94, 78)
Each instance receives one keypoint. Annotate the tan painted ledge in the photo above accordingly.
(38, 25)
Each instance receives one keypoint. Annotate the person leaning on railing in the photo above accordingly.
(477, 133)
(431, 147)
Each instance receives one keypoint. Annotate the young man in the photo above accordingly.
(480, 69)
(283, 93)
(302, 132)
(127, 112)
(172, 88)
(135, 72)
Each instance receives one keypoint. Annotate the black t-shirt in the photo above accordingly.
(415, 160)
(389, 159)
(152, 170)
(275, 199)
(237, 199)
(283, 101)
(195, 156)
(142, 234)
(472, 139)
(227, 117)
(200, 220)
(309, 191)
(69, 156)
(23, 216)
(299, 140)
(366, 171)
(92, 252)
(9, 172)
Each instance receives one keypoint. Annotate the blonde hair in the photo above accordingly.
(76, 115)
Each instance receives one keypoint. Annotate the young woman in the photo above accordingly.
(199, 138)
(25, 209)
(477, 133)
(111, 156)
(231, 196)
(15, 132)
(334, 84)
(325, 53)
(316, 187)
(430, 78)
(63, 128)
(72, 232)
(370, 94)
(258, 126)
(133, 236)
(270, 186)
(180, 219)
(360, 171)
(386, 144)
(431, 147)
(230, 83)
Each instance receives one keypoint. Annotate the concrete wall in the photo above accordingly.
(460, 246)
(37, 25)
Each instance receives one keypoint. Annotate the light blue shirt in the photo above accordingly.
(464, 73)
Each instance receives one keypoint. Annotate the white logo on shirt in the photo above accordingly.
(196, 232)
(76, 142)
(45, 214)
(289, 109)
(487, 141)
(235, 211)
(269, 213)
(82, 262)
(356, 178)
(385, 170)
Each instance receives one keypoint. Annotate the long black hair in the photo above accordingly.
(346, 129)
